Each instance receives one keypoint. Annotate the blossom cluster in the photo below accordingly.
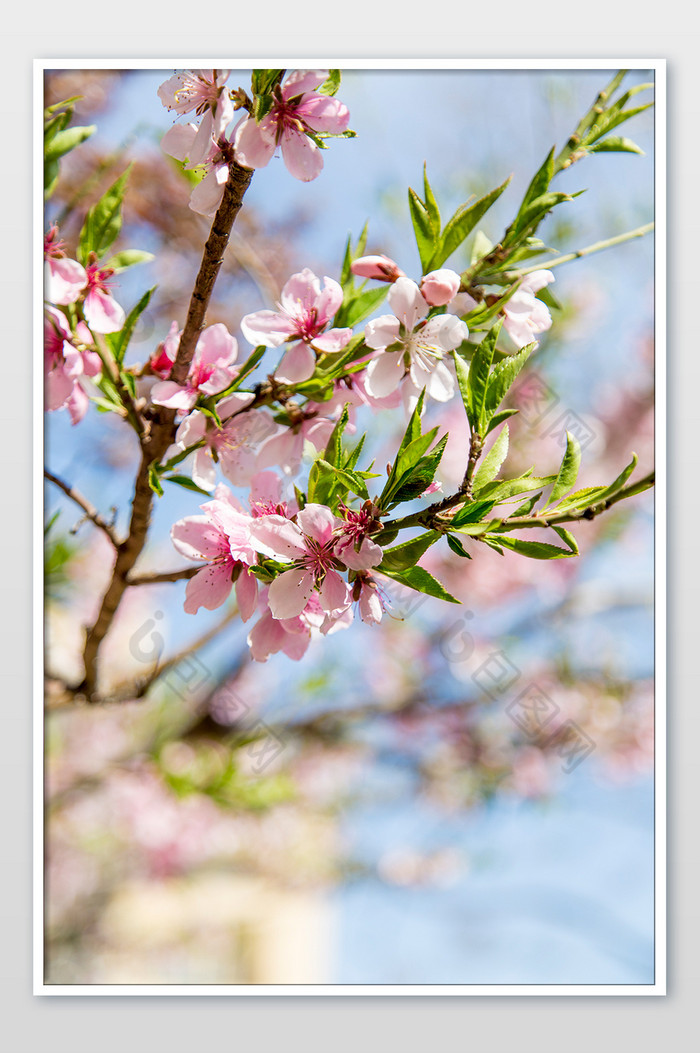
(298, 115)
(69, 355)
(312, 549)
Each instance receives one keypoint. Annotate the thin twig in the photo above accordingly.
(597, 246)
(91, 513)
(168, 575)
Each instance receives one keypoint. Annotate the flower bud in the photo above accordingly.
(439, 287)
(379, 267)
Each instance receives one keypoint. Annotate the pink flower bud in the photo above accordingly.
(439, 287)
(379, 267)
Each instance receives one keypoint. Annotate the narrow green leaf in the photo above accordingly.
(360, 306)
(503, 375)
(128, 258)
(568, 471)
(331, 85)
(103, 221)
(498, 418)
(462, 223)
(406, 555)
(154, 478)
(457, 546)
(186, 483)
(430, 202)
(118, 342)
(501, 491)
(491, 464)
(425, 234)
(472, 512)
(615, 144)
(62, 142)
(249, 365)
(350, 480)
(540, 182)
(334, 447)
(422, 581)
(532, 549)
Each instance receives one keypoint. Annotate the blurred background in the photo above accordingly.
(461, 794)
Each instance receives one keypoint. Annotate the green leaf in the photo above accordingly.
(416, 480)
(461, 225)
(457, 546)
(360, 305)
(581, 498)
(334, 447)
(503, 375)
(331, 85)
(498, 418)
(491, 464)
(532, 549)
(103, 221)
(481, 246)
(501, 491)
(540, 182)
(128, 258)
(525, 509)
(419, 579)
(118, 342)
(249, 365)
(322, 483)
(530, 218)
(615, 144)
(406, 555)
(263, 80)
(186, 483)
(426, 234)
(473, 512)
(350, 480)
(430, 201)
(346, 275)
(474, 389)
(62, 142)
(568, 471)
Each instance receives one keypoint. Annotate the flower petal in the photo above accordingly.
(209, 588)
(301, 156)
(297, 364)
(289, 592)
(383, 374)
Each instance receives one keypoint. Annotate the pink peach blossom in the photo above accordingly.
(525, 315)
(304, 311)
(297, 113)
(209, 538)
(309, 544)
(65, 278)
(211, 370)
(236, 445)
(66, 365)
(203, 91)
(420, 346)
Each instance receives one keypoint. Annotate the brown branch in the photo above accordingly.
(156, 439)
(168, 575)
(90, 513)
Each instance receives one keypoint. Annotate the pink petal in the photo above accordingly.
(303, 80)
(254, 144)
(536, 281)
(317, 522)
(323, 113)
(407, 302)
(333, 341)
(384, 374)
(276, 536)
(196, 538)
(102, 312)
(382, 332)
(219, 380)
(370, 554)
(297, 364)
(289, 592)
(270, 328)
(65, 281)
(206, 196)
(329, 301)
(301, 293)
(168, 393)
(333, 593)
(77, 404)
(370, 605)
(209, 588)
(246, 594)
(301, 155)
(203, 470)
(216, 346)
(178, 140)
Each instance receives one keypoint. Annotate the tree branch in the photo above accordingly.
(168, 575)
(90, 513)
(156, 439)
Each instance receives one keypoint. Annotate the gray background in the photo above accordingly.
(107, 1024)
